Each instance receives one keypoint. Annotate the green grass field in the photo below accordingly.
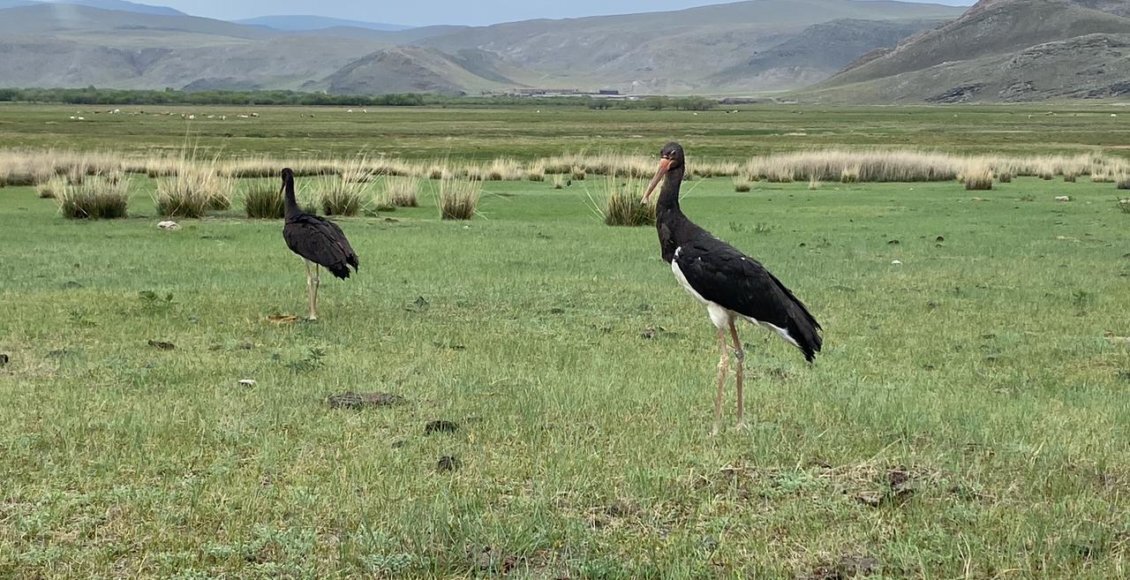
(968, 417)
(528, 132)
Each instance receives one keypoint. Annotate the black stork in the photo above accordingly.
(318, 241)
(730, 284)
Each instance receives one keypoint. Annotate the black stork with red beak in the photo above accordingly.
(318, 241)
(730, 284)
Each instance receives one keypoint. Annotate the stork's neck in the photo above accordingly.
(291, 203)
(669, 194)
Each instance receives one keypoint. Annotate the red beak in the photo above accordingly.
(664, 166)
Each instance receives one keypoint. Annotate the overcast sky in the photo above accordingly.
(424, 12)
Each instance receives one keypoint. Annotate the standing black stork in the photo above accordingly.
(319, 242)
(732, 285)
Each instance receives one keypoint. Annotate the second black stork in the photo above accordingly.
(730, 284)
(319, 242)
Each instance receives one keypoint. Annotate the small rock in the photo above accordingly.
(4, 360)
(893, 242)
(247, 382)
(896, 262)
(161, 345)
(440, 427)
(351, 400)
(940, 239)
(168, 225)
(448, 463)
(1063, 198)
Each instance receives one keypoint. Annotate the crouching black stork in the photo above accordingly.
(319, 242)
(732, 285)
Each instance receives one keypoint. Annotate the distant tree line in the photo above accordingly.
(655, 103)
(95, 96)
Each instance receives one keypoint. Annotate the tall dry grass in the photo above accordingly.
(95, 197)
(620, 202)
(401, 191)
(977, 177)
(346, 192)
(458, 199)
(194, 188)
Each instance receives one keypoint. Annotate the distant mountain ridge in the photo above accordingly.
(297, 23)
(1000, 50)
(120, 5)
(736, 48)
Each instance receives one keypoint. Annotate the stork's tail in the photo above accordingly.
(802, 328)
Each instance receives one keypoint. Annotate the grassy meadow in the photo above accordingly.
(967, 418)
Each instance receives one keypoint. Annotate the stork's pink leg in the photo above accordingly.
(739, 374)
(723, 367)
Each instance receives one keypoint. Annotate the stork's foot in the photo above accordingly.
(312, 318)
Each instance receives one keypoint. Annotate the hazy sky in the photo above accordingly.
(423, 12)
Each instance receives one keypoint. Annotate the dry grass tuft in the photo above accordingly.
(1124, 205)
(578, 174)
(623, 203)
(559, 181)
(193, 189)
(345, 193)
(741, 184)
(97, 197)
(1122, 181)
(458, 199)
(504, 169)
(813, 183)
(1005, 176)
(401, 191)
(52, 188)
(850, 174)
(263, 201)
(977, 178)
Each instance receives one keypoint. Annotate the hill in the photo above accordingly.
(1000, 50)
(741, 47)
(296, 23)
(120, 5)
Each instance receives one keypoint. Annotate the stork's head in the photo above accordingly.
(670, 157)
(287, 177)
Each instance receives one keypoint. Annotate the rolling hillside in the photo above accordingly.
(1000, 50)
(737, 48)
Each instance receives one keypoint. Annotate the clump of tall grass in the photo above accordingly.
(263, 201)
(1069, 175)
(97, 197)
(1123, 181)
(504, 169)
(401, 191)
(458, 199)
(623, 203)
(536, 172)
(559, 181)
(850, 174)
(51, 188)
(813, 183)
(1004, 176)
(193, 189)
(578, 173)
(741, 184)
(977, 178)
(1124, 205)
(345, 193)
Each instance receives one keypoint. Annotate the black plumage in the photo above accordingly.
(319, 242)
(730, 284)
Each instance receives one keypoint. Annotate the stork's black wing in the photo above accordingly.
(322, 242)
(722, 274)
